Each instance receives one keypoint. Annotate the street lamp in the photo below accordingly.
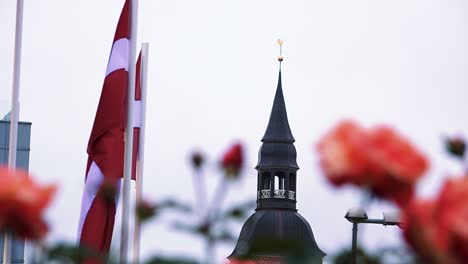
(359, 216)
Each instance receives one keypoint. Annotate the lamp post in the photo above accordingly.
(358, 216)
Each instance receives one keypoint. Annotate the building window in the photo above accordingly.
(266, 181)
(292, 182)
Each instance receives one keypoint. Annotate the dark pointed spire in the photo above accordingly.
(277, 150)
(276, 232)
(278, 127)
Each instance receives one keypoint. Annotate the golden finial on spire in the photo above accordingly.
(280, 43)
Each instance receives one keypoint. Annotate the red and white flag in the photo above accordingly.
(106, 144)
(137, 118)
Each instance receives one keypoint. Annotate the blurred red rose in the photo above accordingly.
(395, 155)
(378, 159)
(438, 229)
(233, 160)
(342, 154)
(22, 202)
(397, 164)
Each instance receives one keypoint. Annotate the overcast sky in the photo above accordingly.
(212, 78)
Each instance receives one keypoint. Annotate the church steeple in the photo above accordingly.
(277, 150)
(277, 164)
(276, 232)
(278, 126)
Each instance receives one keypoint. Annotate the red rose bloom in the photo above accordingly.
(22, 202)
(395, 155)
(232, 160)
(342, 155)
(379, 159)
(421, 232)
(438, 230)
(396, 162)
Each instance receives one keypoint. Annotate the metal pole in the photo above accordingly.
(14, 113)
(354, 250)
(141, 150)
(7, 248)
(128, 132)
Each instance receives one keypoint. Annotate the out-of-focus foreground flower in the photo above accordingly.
(378, 159)
(456, 146)
(108, 190)
(22, 202)
(438, 229)
(145, 210)
(197, 160)
(233, 160)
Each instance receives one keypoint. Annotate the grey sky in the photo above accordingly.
(212, 77)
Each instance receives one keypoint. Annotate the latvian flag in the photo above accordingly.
(106, 146)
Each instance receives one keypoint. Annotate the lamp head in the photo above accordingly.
(356, 215)
(392, 218)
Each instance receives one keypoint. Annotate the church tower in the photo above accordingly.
(276, 232)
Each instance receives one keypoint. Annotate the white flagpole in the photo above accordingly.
(141, 150)
(129, 132)
(14, 113)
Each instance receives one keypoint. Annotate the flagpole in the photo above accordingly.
(141, 150)
(14, 113)
(129, 132)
